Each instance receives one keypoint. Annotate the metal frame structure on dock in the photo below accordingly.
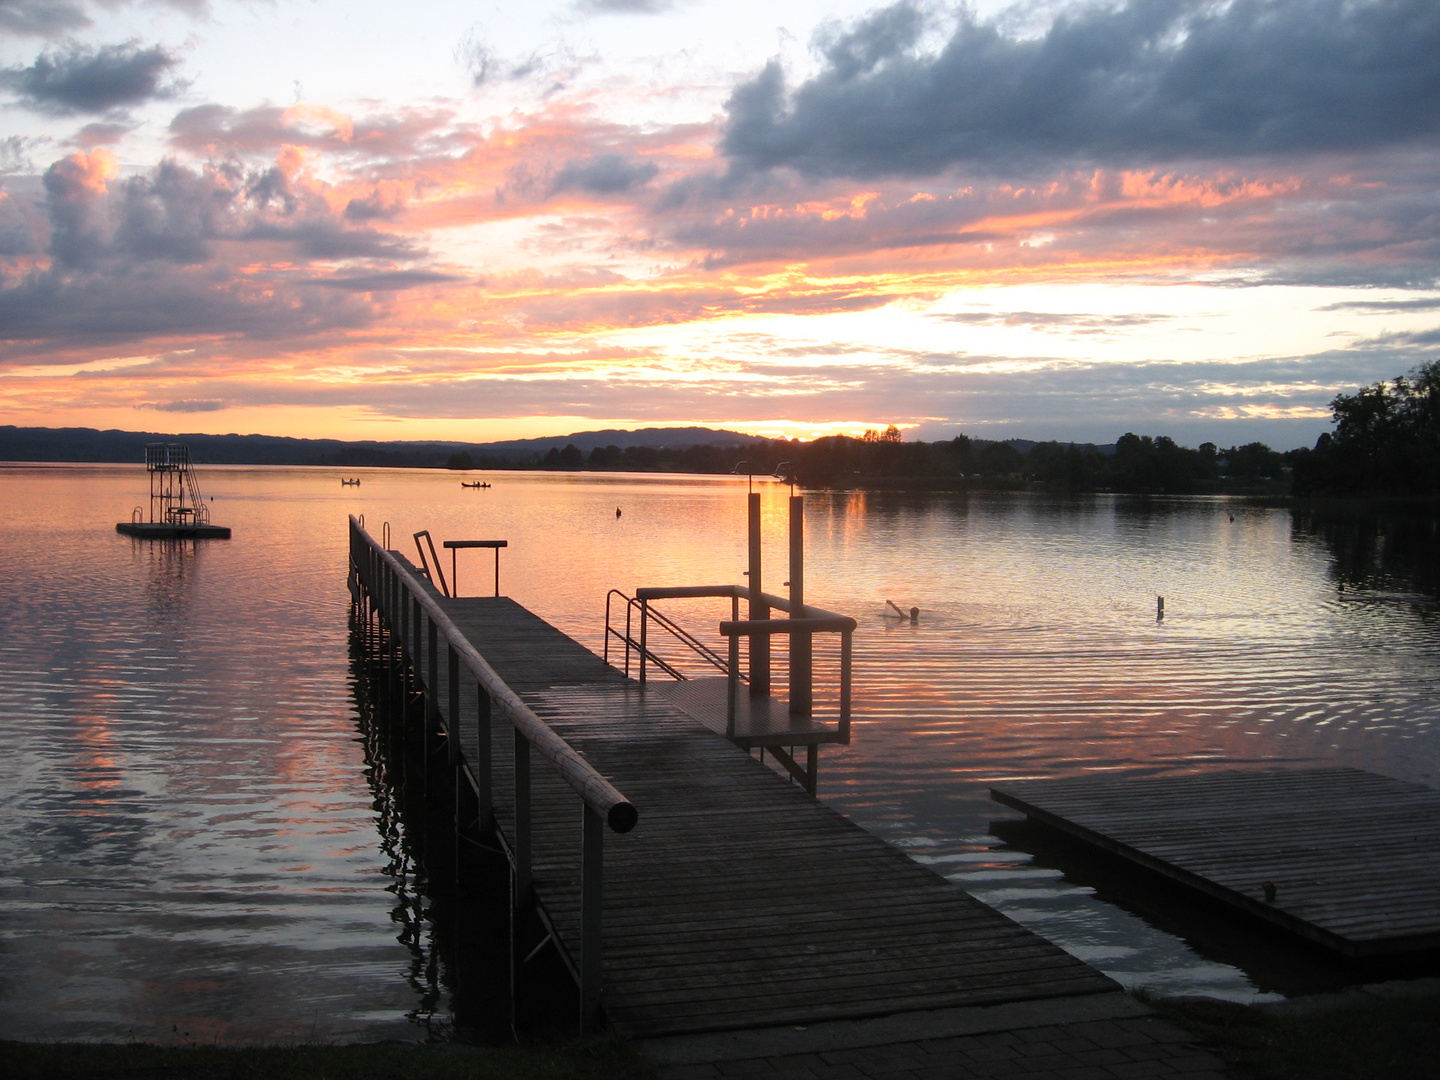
(746, 714)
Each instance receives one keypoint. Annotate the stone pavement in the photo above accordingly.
(1105, 1037)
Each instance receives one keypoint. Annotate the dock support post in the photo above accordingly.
(845, 680)
(431, 707)
(801, 662)
(482, 766)
(523, 881)
(452, 719)
(592, 863)
(415, 619)
(759, 645)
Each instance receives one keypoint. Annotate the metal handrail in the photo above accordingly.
(597, 792)
(631, 644)
(826, 622)
(436, 573)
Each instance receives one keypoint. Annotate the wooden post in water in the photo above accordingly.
(801, 655)
(759, 644)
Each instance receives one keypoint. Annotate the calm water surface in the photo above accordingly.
(193, 847)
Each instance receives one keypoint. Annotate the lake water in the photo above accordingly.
(195, 847)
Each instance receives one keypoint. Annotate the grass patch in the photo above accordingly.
(1389, 1039)
(603, 1058)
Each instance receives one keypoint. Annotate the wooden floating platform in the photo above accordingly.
(159, 530)
(1351, 859)
(738, 902)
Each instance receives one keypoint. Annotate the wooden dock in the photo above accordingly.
(738, 902)
(1341, 857)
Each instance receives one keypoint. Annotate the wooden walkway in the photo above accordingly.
(1350, 860)
(738, 901)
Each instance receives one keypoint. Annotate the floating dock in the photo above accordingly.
(737, 902)
(177, 509)
(160, 530)
(1341, 857)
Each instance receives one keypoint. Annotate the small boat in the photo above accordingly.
(476, 484)
(350, 483)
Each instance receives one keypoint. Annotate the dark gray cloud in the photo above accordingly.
(41, 18)
(188, 405)
(393, 281)
(50, 18)
(1147, 80)
(77, 79)
(211, 252)
(1425, 303)
(604, 174)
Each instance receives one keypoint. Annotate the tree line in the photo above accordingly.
(1385, 442)
(1139, 464)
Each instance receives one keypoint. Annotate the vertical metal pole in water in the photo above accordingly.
(592, 866)
(758, 645)
(845, 685)
(801, 696)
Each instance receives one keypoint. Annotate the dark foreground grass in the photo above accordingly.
(590, 1059)
(1390, 1039)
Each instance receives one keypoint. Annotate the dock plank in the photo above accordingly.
(1354, 856)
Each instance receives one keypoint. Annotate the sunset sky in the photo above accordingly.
(479, 221)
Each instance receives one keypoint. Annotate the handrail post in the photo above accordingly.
(629, 635)
(802, 698)
(758, 648)
(732, 683)
(592, 866)
(483, 782)
(452, 722)
(644, 624)
(523, 881)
